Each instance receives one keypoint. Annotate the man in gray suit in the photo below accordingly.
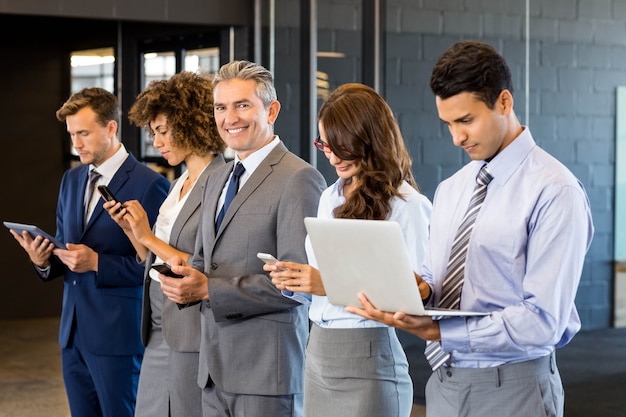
(253, 338)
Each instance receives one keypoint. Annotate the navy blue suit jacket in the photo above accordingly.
(104, 306)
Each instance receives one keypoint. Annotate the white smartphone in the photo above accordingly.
(267, 258)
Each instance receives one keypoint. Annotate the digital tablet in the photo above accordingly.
(34, 231)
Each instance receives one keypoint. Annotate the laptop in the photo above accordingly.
(368, 256)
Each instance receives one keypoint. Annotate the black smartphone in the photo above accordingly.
(165, 269)
(106, 193)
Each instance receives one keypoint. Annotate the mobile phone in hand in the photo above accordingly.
(106, 193)
(268, 259)
(165, 269)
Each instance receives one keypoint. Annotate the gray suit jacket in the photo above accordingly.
(253, 338)
(181, 328)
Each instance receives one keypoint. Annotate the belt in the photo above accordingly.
(498, 374)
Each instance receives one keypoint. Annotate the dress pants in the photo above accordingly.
(523, 389)
(99, 385)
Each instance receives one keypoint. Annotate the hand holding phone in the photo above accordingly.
(268, 259)
(165, 269)
(108, 195)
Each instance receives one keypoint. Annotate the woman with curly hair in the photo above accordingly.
(354, 366)
(178, 114)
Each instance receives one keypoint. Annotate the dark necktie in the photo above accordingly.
(455, 274)
(94, 176)
(233, 187)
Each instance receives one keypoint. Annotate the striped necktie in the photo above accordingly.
(94, 176)
(455, 274)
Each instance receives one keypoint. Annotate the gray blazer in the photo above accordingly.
(253, 338)
(181, 328)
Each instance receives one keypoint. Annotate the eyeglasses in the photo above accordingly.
(321, 146)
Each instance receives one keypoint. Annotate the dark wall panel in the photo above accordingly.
(33, 167)
(205, 12)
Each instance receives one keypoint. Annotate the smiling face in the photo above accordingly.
(482, 132)
(163, 141)
(244, 123)
(93, 142)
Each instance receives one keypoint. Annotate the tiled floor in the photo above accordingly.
(31, 384)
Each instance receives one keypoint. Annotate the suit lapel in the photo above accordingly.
(191, 205)
(115, 185)
(259, 175)
(194, 200)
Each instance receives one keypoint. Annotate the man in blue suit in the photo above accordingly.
(100, 320)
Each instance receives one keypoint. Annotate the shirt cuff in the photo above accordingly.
(43, 271)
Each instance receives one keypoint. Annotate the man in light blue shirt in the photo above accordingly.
(524, 259)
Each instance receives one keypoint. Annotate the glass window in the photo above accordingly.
(162, 65)
(205, 60)
(93, 68)
(158, 66)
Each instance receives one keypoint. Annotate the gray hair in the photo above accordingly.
(246, 70)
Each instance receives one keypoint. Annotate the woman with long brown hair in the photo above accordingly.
(354, 366)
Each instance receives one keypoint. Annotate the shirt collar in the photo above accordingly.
(109, 167)
(255, 158)
(502, 166)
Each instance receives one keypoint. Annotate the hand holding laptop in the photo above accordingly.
(424, 327)
(382, 270)
(424, 289)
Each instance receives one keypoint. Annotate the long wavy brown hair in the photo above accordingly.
(360, 126)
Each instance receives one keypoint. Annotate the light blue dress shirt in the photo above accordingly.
(524, 261)
(413, 215)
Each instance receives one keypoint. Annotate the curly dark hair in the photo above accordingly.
(186, 99)
(472, 67)
(360, 126)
